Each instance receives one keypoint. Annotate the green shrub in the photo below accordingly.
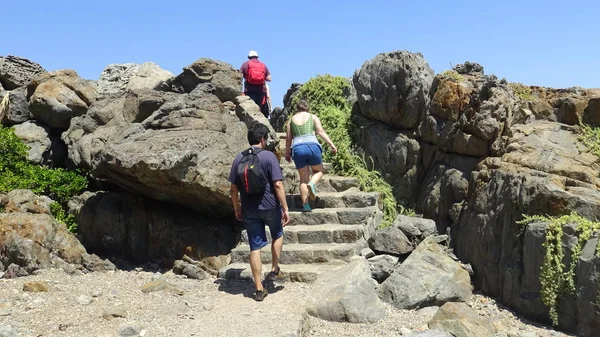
(520, 90)
(18, 173)
(327, 100)
(453, 74)
(556, 278)
(590, 137)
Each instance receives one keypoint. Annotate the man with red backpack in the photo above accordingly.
(256, 74)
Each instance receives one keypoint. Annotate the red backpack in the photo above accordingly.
(257, 72)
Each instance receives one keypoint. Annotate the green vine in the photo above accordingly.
(556, 278)
(326, 96)
(590, 137)
(18, 173)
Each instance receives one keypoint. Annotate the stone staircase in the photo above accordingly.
(325, 239)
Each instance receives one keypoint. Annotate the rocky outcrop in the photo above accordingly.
(226, 79)
(142, 229)
(16, 109)
(393, 88)
(32, 239)
(56, 97)
(279, 116)
(248, 112)
(427, 277)
(44, 147)
(17, 72)
(348, 295)
(544, 170)
(116, 79)
(182, 153)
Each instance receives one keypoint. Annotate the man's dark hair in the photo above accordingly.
(257, 132)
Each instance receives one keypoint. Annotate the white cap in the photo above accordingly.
(253, 53)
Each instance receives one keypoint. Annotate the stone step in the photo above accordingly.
(336, 200)
(329, 183)
(321, 216)
(293, 272)
(329, 233)
(297, 253)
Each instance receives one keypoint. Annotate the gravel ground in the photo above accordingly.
(75, 306)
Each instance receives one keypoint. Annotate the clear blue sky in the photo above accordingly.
(548, 43)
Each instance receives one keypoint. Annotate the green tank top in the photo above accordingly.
(308, 128)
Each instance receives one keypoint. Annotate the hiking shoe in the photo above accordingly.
(312, 191)
(276, 275)
(260, 295)
(306, 208)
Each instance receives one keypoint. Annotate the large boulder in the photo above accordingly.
(142, 229)
(16, 108)
(56, 97)
(427, 277)
(32, 239)
(399, 161)
(45, 148)
(591, 114)
(182, 153)
(467, 115)
(544, 170)
(279, 116)
(393, 88)
(226, 79)
(248, 112)
(390, 240)
(347, 295)
(118, 78)
(17, 71)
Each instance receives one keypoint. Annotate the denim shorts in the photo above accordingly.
(255, 223)
(307, 154)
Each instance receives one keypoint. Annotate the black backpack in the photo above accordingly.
(250, 178)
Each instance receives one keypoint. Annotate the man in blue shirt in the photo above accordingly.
(268, 209)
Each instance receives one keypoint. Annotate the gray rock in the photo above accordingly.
(44, 147)
(591, 114)
(367, 253)
(131, 329)
(84, 300)
(117, 223)
(279, 116)
(25, 201)
(189, 270)
(182, 153)
(347, 295)
(225, 78)
(415, 227)
(399, 161)
(119, 78)
(461, 321)
(1, 267)
(393, 88)
(382, 266)
(390, 240)
(8, 331)
(427, 277)
(17, 110)
(469, 68)
(5, 312)
(249, 113)
(17, 71)
(56, 97)
(14, 270)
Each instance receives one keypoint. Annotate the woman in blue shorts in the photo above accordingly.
(302, 145)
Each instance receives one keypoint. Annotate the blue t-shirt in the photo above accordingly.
(272, 170)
